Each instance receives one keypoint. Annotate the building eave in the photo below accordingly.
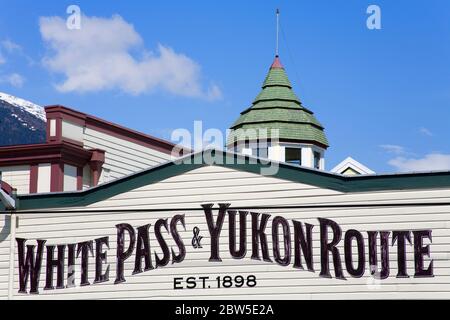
(344, 184)
(45, 153)
(92, 122)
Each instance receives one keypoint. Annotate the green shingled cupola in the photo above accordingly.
(277, 107)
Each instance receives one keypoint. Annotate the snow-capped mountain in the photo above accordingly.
(21, 121)
(25, 105)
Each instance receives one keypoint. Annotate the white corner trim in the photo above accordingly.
(7, 200)
(352, 164)
(12, 241)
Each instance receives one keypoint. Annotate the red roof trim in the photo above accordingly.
(44, 153)
(6, 187)
(34, 168)
(80, 118)
(57, 177)
(79, 178)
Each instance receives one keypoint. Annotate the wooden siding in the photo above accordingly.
(122, 157)
(44, 177)
(86, 177)
(72, 131)
(18, 177)
(5, 243)
(213, 184)
(70, 178)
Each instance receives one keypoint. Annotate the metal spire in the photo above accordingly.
(278, 31)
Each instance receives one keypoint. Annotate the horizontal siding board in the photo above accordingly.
(269, 292)
(18, 177)
(122, 157)
(389, 222)
(128, 150)
(144, 160)
(5, 243)
(94, 136)
(309, 213)
(274, 281)
(139, 160)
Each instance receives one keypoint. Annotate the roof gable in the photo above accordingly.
(350, 163)
(237, 162)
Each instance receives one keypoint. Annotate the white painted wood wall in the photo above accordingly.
(17, 176)
(5, 250)
(216, 184)
(122, 157)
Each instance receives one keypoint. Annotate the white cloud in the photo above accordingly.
(214, 92)
(10, 46)
(425, 132)
(392, 148)
(13, 49)
(13, 79)
(431, 162)
(405, 161)
(108, 54)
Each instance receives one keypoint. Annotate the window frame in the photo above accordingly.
(294, 162)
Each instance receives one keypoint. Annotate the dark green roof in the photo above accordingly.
(278, 107)
(286, 131)
(276, 93)
(276, 114)
(277, 77)
(321, 179)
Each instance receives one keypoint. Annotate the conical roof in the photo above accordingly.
(277, 107)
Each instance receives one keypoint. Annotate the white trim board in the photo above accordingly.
(351, 163)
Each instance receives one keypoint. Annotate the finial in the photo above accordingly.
(278, 31)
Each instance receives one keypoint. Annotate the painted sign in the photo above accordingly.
(289, 249)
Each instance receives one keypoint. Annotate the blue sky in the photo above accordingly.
(382, 95)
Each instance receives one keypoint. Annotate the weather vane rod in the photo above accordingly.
(278, 31)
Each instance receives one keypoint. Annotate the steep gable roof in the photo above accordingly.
(352, 164)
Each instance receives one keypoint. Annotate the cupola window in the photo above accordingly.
(293, 156)
(316, 160)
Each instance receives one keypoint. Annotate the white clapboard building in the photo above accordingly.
(296, 233)
(262, 220)
(80, 151)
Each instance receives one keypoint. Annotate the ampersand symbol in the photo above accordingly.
(196, 239)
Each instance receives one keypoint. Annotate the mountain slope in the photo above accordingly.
(21, 121)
